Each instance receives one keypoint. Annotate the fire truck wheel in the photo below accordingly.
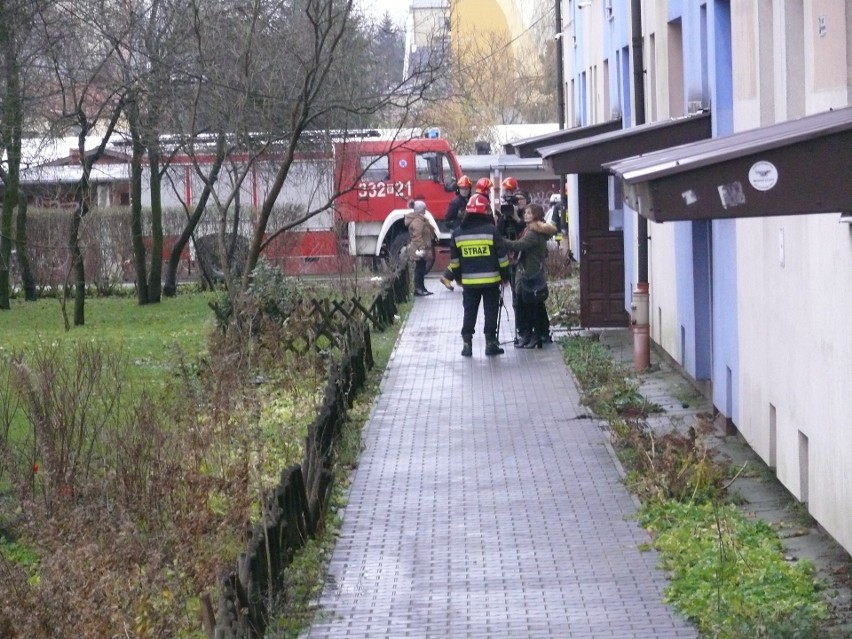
(398, 251)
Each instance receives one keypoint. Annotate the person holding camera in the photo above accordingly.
(478, 260)
(530, 287)
(513, 201)
(513, 227)
(422, 237)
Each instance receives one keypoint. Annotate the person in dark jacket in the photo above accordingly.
(478, 260)
(453, 216)
(531, 320)
(512, 227)
(455, 209)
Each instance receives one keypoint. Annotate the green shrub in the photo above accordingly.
(729, 575)
(276, 294)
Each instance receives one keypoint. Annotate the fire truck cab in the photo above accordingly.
(387, 176)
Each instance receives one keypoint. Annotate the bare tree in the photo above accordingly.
(299, 73)
(153, 57)
(20, 77)
(89, 97)
(494, 78)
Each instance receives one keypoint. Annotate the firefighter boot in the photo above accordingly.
(492, 347)
(467, 349)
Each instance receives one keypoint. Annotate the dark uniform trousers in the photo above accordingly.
(490, 296)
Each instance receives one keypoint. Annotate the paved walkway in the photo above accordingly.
(487, 504)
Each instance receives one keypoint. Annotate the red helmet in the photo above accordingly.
(478, 204)
(484, 185)
(509, 184)
(464, 182)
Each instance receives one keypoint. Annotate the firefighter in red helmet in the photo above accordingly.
(484, 186)
(457, 204)
(509, 184)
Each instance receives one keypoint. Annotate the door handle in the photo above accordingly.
(585, 246)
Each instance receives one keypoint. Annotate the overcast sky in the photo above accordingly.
(398, 9)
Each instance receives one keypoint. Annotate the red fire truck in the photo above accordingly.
(370, 181)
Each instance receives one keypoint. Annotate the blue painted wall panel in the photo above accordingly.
(725, 333)
(685, 297)
(702, 291)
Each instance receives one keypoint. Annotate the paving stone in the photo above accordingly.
(485, 505)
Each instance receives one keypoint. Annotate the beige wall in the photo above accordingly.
(794, 296)
(663, 290)
(796, 354)
(826, 50)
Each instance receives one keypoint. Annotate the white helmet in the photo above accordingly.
(555, 199)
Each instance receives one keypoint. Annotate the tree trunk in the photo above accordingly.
(170, 288)
(22, 247)
(256, 245)
(6, 248)
(136, 225)
(11, 139)
(78, 268)
(155, 279)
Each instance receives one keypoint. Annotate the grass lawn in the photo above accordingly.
(149, 335)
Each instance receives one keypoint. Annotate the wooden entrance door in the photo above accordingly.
(601, 257)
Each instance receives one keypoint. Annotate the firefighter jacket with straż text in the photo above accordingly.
(478, 254)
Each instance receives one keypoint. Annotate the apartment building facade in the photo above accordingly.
(733, 147)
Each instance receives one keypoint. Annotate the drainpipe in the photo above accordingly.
(640, 311)
(560, 89)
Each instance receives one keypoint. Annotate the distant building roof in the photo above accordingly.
(501, 162)
(429, 4)
(508, 133)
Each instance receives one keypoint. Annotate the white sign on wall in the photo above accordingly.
(763, 175)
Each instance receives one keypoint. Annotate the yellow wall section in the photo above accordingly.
(472, 17)
(479, 20)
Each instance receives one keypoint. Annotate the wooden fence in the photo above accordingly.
(295, 508)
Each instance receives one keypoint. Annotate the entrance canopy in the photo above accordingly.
(587, 155)
(528, 147)
(793, 168)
